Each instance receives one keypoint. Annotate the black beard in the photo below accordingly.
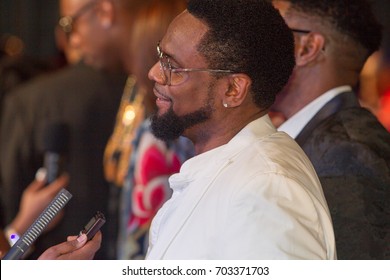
(170, 126)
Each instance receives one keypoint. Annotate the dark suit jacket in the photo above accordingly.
(86, 100)
(350, 151)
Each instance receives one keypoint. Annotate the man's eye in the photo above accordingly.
(177, 75)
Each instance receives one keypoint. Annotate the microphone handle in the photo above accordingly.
(53, 163)
(28, 238)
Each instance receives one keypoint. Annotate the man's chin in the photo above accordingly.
(166, 126)
(169, 126)
(94, 63)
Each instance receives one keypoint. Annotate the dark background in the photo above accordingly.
(34, 20)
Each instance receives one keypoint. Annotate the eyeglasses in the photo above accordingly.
(174, 76)
(300, 30)
(304, 32)
(66, 23)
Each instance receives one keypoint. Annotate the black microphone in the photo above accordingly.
(34, 231)
(56, 145)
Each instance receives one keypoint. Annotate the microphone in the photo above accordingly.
(23, 244)
(55, 144)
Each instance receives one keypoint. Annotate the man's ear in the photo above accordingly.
(106, 13)
(309, 47)
(239, 86)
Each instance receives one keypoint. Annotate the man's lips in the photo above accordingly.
(163, 102)
(160, 96)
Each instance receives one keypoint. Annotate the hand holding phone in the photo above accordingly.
(94, 225)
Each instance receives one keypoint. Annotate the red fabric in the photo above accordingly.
(384, 110)
(151, 186)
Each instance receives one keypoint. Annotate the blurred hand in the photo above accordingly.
(4, 245)
(75, 248)
(36, 197)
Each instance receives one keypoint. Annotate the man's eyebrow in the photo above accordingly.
(171, 57)
(165, 53)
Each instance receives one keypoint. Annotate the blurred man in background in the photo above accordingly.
(84, 96)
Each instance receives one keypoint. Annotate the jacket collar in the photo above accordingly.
(338, 103)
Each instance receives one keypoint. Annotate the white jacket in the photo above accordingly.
(257, 197)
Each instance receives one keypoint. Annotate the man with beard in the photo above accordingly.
(250, 192)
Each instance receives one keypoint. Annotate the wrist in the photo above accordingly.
(11, 235)
(18, 224)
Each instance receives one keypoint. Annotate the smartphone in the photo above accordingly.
(93, 226)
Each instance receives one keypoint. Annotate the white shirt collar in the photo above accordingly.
(294, 125)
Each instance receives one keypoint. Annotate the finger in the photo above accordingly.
(41, 174)
(97, 238)
(88, 251)
(72, 245)
(35, 186)
(72, 237)
(95, 243)
(64, 250)
(61, 182)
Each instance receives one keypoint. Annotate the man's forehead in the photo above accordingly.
(70, 7)
(290, 15)
(185, 29)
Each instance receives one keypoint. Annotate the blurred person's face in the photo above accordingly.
(73, 55)
(89, 31)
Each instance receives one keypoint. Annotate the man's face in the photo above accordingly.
(86, 34)
(184, 108)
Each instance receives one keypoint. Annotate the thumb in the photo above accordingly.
(67, 247)
(77, 243)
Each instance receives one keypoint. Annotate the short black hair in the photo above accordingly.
(247, 36)
(354, 19)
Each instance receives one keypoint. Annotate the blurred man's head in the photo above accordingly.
(100, 30)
